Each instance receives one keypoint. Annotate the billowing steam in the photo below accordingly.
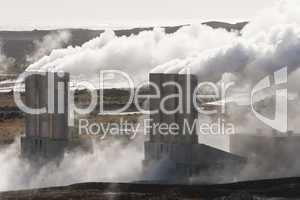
(54, 40)
(6, 63)
(136, 54)
(109, 161)
(269, 43)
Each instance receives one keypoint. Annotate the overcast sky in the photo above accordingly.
(43, 13)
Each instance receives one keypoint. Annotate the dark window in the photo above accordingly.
(35, 145)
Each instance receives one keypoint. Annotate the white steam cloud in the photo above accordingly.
(270, 42)
(136, 54)
(54, 40)
(109, 161)
(5, 62)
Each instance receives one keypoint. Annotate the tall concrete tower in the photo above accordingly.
(174, 155)
(184, 118)
(165, 145)
(46, 133)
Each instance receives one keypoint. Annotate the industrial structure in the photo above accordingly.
(46, 133)
(180, 155)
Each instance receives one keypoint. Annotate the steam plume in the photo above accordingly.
(109, 161)
(6, 63)
(54, 40)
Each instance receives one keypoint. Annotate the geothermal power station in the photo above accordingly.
(171, 157)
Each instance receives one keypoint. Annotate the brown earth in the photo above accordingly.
(10, 129)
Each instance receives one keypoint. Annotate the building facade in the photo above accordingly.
(46, 133)
(179, 156)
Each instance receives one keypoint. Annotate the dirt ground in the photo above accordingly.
(275, 189)
(10, 129)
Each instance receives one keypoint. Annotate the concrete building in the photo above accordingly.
(179, 156)
(46, 134)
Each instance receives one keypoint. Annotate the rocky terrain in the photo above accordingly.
(275, 189)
